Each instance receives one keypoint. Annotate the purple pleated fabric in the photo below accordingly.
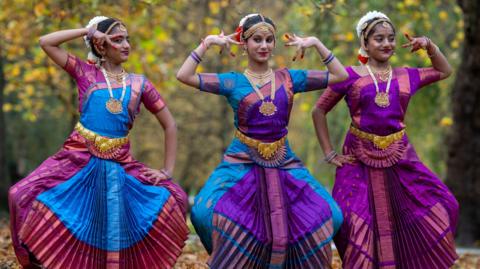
(397, 213)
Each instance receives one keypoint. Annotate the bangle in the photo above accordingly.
(330, 156)
(329, 58)
(434, 53)
(195, 57)
(205, 47)
(91, 31)
(165, 172)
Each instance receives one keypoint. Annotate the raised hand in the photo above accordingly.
(302, 43)
(416, 43)
(99, 39)
(223, 41)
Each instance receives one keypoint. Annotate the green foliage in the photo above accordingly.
(40, 97)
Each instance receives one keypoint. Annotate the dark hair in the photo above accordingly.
(375, 27)
(251, 21)
(103, 26)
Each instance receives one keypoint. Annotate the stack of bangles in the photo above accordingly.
(330, 156)
(329, 58)
(195, 57)
(165, 172)
(429, 43)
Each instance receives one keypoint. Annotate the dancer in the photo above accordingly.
(91, 205)
(398, 214)
(261, 208)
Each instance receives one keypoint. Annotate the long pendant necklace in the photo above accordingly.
(267, 108)
(114, 105)
(382, 99)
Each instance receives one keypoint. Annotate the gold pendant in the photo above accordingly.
(382, 100)
(114, 106)
(267, 108)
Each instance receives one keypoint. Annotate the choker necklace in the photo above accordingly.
(114, 105)
(259, 77)
(267, 108)
(116, 76)
(382, 99)
(383, 74)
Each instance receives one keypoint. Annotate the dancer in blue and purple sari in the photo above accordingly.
(397, 213)
(92, 205)
(261, 208)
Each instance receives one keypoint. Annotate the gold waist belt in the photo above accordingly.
(101, 143)
(381, 142)
(266, 150)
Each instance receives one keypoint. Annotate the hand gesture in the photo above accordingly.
(340, 160)
(154, 176)
(99, 39)
(416, 43)
(302, 43)
(223, 41)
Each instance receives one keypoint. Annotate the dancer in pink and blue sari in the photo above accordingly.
(92, 205)
(397, 213)
(261, 208)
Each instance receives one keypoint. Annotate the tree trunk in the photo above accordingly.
(4, 178)
(463, 175)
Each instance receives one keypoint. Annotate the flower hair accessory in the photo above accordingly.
(92, 23)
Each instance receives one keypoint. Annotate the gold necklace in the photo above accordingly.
(383, 74)
(116, 76)
(382, 99)
(259, 77)
(267, 108)
(113, 105)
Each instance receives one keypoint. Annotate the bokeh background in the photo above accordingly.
(38, 100)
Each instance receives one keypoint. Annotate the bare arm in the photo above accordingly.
(439, 61)
(169, 126)
(321, 130)
(187, 72)
(50, 43)
(335, 67)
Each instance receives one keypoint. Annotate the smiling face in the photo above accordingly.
(120, 52)
(380, 44)
(260, 45)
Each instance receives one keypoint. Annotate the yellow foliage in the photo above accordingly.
(460, 36)
(455, 44)
(304, 107)
(15, 71)
(209, 21)
(190, 26)
(29, 90)
(443, 15)
(214, 7)
(446, 122)
(410, 3)
(7, 107)
(349, 36)
(39, 9)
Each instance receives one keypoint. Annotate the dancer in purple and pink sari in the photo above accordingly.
(261, 208)
(397, 213)
(92, 205)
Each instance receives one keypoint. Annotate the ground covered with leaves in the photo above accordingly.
(194, 256)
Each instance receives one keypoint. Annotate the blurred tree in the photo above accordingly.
(464, 145)
(39, 99)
